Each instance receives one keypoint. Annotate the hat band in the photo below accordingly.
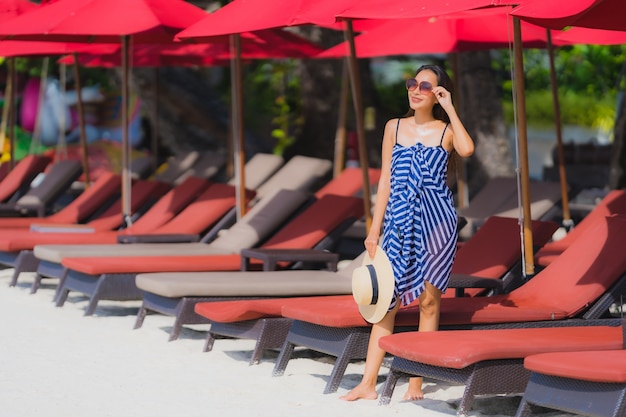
(374, 279)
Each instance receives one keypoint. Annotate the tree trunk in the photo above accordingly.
(482, 115)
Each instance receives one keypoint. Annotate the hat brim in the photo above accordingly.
(373, 313)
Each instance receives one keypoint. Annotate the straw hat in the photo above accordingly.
(373, 286)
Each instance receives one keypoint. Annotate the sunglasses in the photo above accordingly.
(424, 87)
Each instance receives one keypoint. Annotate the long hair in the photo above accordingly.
(443, 80)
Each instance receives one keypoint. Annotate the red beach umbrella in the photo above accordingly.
(107, 21)
(597, 14)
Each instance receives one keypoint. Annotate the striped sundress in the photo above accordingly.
(419, 228)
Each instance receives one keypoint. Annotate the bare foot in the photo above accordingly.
(414, 392)
(360, 392)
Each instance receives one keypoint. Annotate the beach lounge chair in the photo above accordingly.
(39, 199)
(499, 197)
(175, 166)
(590, 383)
(582, 283)
(613, 203)
(262, 320)
(185, 224)
(99, 194)
(316, 225)
(17, 182)
(490, 362)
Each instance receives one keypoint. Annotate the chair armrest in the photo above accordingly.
(461, 281)
(169, 238)
(270, 257)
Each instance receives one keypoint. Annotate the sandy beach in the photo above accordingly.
(57, 362)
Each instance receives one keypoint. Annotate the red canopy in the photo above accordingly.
(478, 29)
(599, 14)
(104, 21)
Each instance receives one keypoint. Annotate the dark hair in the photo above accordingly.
(443, 79)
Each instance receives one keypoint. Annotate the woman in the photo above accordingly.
(416, 209)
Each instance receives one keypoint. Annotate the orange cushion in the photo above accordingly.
(594, 366)
(460, 348)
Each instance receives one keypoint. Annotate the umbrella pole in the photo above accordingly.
(340, 133)
(357, 101)
(6, 110)
(567, 219)
(237, 123)
(527, 237)
(126, 179)
(81, 121)
(155, 122)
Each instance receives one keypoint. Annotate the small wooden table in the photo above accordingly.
(271, 257)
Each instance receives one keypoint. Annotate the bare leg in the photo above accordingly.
(367, 387)
(429, 302)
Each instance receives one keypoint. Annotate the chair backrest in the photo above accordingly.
(169, 205)
(23, 173)
(544, 195)
(490, 198)
(299, 173)
(260, 221)
(143, 192)
(349, 182)
(613, 203)
(496, 247)
(582, 273)
(56, 181)
(259, 168)
(316, 222)
(204, 212)
(100, 193)
(176, 166)
(141, 167)
(206, 166)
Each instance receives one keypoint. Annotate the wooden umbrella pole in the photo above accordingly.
(12, 112)
(567, 219)
(126, 178)
(6, 108)
(529, 265)
(155, 123)
(237, 122)
(340, 133)
(357, 101)
(81, 121)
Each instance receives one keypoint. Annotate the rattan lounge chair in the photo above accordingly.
(17, 182)
(499, 197)
(262, 320)
(321, 221)
(166, 221)
(582, 283)
(206, 166)
(613, 203)
(259, 169)
(99, 194)
(175, 166)
(490, 362)
(38, 200)
(589, 383)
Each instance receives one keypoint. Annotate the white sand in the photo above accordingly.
(56, 362)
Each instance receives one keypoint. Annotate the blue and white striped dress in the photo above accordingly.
(419, 232)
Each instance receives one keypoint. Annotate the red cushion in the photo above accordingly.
(460, 348)
(242, 310)
(145, 264)
(348, 182)
(595, 366)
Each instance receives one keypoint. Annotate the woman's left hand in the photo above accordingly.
(443, 96)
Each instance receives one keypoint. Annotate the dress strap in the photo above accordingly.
(397, 127)
(444, 132)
